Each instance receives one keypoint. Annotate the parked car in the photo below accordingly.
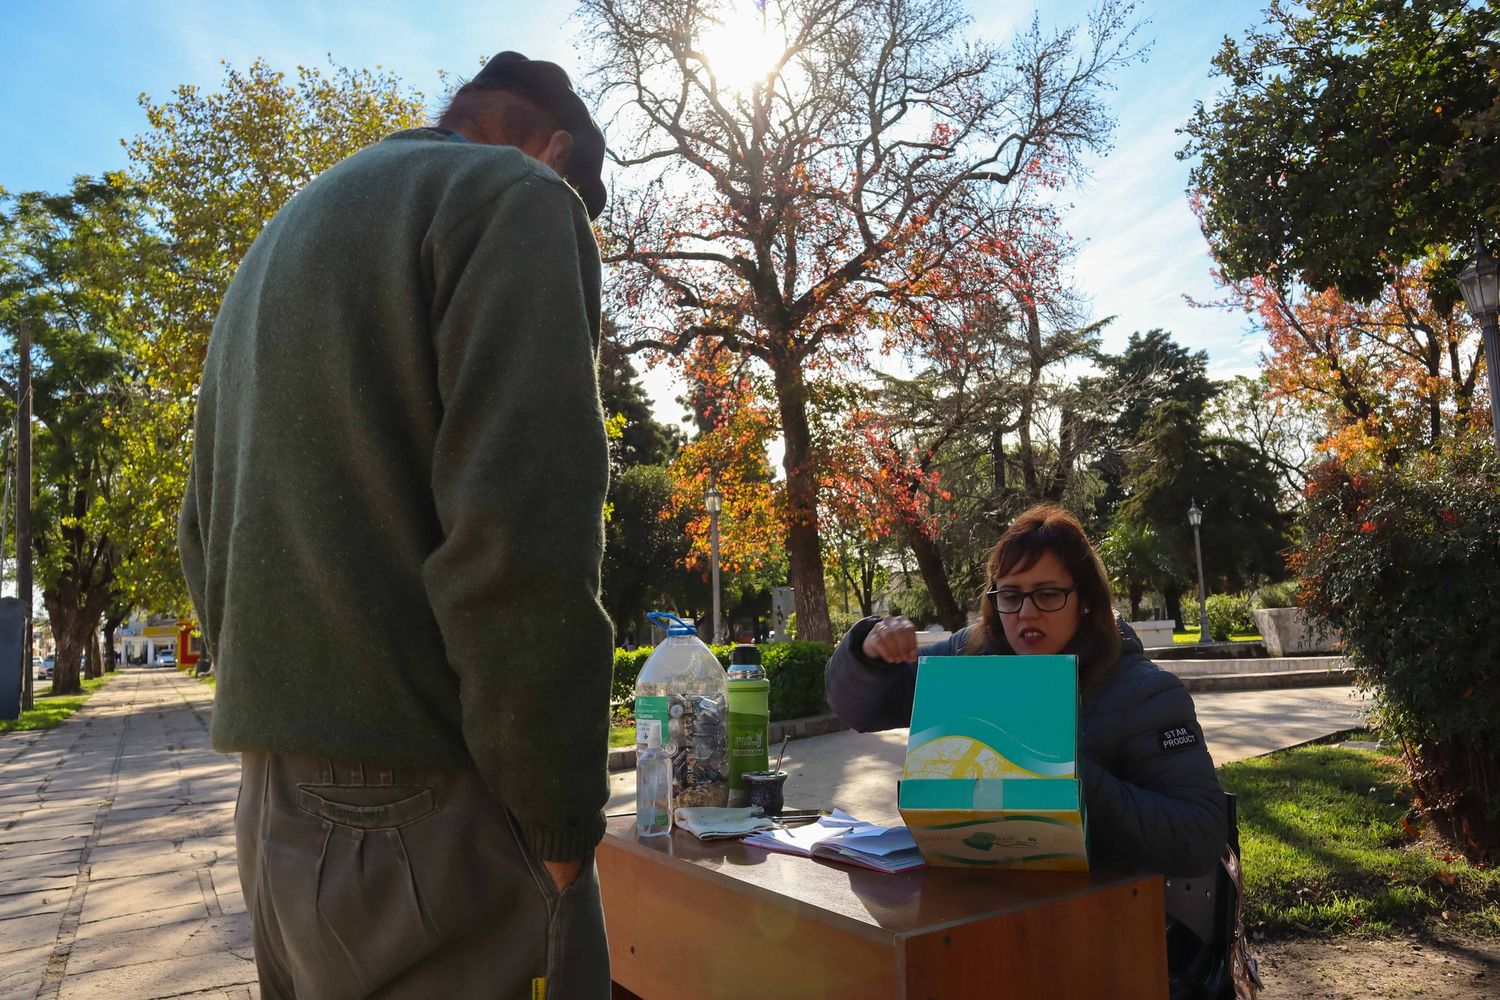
(49, 664)
(167, 660)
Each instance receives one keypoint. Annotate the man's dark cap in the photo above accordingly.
(548, 86)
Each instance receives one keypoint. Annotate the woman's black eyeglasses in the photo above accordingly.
(1008, 601)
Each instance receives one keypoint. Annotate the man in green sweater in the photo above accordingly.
(392, 535)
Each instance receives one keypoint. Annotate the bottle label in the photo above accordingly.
(651, 715)
(747, 747)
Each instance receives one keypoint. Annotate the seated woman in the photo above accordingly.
(1152, 798)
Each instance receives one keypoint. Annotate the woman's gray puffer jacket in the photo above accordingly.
(1152, 797)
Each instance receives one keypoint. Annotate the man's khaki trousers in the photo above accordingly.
(371, 881)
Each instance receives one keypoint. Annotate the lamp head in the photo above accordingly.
(1480, 284)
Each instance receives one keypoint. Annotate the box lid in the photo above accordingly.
(992, 717)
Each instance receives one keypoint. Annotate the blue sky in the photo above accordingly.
(71, 71)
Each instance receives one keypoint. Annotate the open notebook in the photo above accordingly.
(843, 838)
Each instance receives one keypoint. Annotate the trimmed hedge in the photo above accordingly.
(795, 670)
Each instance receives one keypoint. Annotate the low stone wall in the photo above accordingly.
(1154, 633)
(1293, 632)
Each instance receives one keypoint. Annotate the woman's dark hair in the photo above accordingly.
(1042, 529)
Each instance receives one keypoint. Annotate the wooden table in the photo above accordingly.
(706, 920)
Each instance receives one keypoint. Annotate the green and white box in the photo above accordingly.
(991, 777)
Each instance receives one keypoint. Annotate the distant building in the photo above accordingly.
(145, 640)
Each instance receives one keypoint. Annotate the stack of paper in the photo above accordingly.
(841, 837)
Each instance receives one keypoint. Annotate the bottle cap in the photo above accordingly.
(670, 623)
(745, 653)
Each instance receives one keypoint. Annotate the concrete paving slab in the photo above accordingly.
(54, 815)
(137, 895)
(212, 823)
(249, 992)
(36, 848)
(21, 972)
(26, 904)
(164, 941)
(61, 882)
(51, 865)
(23, 832)
(163, 978)
(146, 918)
(154, 857)
(34, 930)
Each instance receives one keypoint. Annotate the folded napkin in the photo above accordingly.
(714, 822)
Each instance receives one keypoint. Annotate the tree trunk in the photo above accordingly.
(1137, 591)
(74, 618)
(66, 677)
(1030, 476)
(93, 665)
(1173, 597)
(803, 545)
(930, 562)
(111, 662)
(997, 455)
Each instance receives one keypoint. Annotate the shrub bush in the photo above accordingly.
(840, 621)
(1277, 595)
(1405, 562)
(1227, 614)
(915, 602)
(795, 670)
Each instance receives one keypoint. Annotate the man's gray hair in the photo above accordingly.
(521, 119)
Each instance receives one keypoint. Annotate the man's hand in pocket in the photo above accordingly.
(564, 873)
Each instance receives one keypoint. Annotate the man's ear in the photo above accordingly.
(559, 148)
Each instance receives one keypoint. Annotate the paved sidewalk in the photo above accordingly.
(117, 870)
(117, 873)
(857, 771)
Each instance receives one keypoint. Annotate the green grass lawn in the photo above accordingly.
(1187, 638)
(621, 736)
(1324, 849)
(49, 710)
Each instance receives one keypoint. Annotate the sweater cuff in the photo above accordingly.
(856, 640)
(566, 843)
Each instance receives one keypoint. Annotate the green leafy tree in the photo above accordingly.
(1174, 464)
(1351, 137)
(67, 268)
(216, 165)
(1138, 559)
(644, 550)
(1152, 369)
(643, 440)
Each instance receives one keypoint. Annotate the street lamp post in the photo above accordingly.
(713, 502)
(1195, 518)
(1480, 284)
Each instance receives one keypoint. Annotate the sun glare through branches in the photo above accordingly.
(742, 45)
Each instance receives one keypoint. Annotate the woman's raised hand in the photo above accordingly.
(893, 639)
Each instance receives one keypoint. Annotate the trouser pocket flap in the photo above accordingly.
(367, 807)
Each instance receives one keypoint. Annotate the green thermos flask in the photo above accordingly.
(749, 719)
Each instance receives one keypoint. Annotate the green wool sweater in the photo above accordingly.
(392, 530)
